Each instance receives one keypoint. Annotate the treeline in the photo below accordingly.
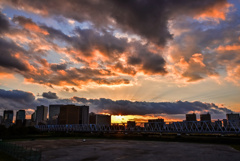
(17, 132)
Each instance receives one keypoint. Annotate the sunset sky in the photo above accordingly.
(154, 58)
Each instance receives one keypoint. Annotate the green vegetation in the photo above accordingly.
(6, 157)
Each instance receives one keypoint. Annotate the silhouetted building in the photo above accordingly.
(27, 123)
(83, 114)
(205, 117)
(155, 123)
(71, 114)
(131, 124)
(54, 111)
(33, 116)
(191, 117)
(41, 114)
(232, 117)
(218, 124)
(225, 122)
(99, 119)
(1, 119)
(8, 116)
(21, 114)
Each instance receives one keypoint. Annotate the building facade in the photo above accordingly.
(99, 119)
(131, 124)
(232, 117)
(72, 114)
(33, 116)
(191, 117)
(21, 115)
(54, 111)
(205, 117)
(41, 114)
(8, 116)
(1, 119)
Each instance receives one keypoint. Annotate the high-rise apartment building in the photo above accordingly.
(191, 117)
(41, 113)
(1, 119)
(71, 114)
(205, 117)
(54, 111)
(232, 117)
(33, 116)
(83, 114)
(8, 116)
(21, 114)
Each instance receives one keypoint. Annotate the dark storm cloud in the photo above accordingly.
(8, 60)
(8, 49)
(125, 107)
(17, 99)
(50, 95)
(113, 47)
(148, 19)
(147, 61)
(4, 24)
(17, 96)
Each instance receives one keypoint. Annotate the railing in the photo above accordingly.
(20, 152)
(175, 127)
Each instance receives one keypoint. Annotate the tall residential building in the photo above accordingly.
(1, 118)
(191, 117)
(83, 114)
(21, 114)
(33, 116)
(8, 116)
(233, 117)
(41, 113)
(71, 114)
(205, 117)
(54, 111)
(99, 119)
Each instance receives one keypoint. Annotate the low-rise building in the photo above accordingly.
(99, 119)
(191, 117)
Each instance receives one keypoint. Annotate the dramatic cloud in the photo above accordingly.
(50, 95)
(15, 99)
(10, 56)
(4, 24)
(148, 19)
(125, 107)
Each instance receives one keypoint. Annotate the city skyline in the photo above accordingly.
(134, 60)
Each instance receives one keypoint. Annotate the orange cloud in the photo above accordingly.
(228, 47)
(233, 74)
(6, 76)
(217, 12)
(35, 28)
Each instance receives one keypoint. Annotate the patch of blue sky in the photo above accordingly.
(60, 43)
(48, 21)
(54, 57)
(84, 25)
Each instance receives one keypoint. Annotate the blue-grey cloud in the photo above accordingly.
(50, 95)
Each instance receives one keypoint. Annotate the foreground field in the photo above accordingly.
(102, 150)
